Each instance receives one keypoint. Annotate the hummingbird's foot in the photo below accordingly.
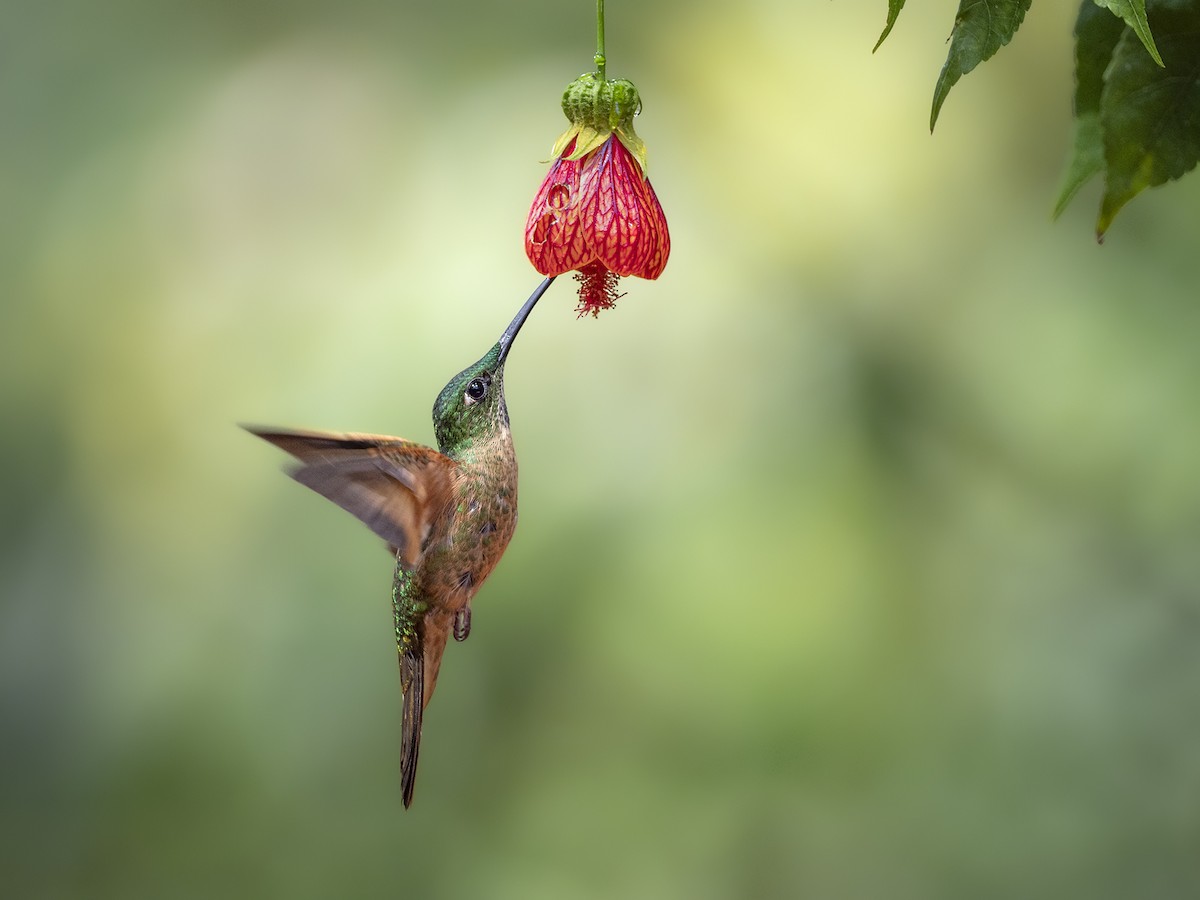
(462, 624)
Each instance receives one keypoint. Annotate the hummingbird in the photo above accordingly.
(447, 515)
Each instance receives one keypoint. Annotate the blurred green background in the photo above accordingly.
(858, 554)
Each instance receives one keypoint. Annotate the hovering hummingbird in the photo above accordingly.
(446, 514)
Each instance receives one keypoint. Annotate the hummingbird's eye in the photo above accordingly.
(476, 390)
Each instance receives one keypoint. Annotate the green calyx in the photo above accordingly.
(597, 108)
(602, 104)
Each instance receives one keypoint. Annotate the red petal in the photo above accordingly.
(624, 221)
(554, 239)
(601, 208)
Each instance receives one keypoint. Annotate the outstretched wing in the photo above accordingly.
(396, 487)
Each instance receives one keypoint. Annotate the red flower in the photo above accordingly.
(596, 211)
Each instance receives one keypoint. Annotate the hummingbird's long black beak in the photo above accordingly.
(510, 332)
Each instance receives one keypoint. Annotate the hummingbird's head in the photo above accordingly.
(472, 405)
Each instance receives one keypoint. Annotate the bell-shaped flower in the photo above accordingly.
(596, 211)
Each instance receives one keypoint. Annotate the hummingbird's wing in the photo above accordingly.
(396, 487)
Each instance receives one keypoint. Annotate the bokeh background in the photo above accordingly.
(858, 554)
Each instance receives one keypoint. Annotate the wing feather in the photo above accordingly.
(397, 488)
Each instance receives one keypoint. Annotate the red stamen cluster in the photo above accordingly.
(597, 289)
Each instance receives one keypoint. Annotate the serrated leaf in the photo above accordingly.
(1096, 35)
(894, 7)
(1134, 14)
(980, 29)
(1150, 115)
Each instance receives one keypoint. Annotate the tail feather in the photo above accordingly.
(419, 665)
(412, 680)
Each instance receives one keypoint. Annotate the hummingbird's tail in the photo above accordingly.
(420, 660)
(408, 612)
(412, 680)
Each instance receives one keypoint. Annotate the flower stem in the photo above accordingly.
(600, 39)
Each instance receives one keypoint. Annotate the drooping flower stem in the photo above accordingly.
(600, 60)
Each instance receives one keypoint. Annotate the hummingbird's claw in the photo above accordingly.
(462, 624)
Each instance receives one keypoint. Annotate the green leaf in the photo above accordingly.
(1096, 35)
(1151, 115)
(1134, 14)
(894, 7)
(980, 29)
(1087, 159)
